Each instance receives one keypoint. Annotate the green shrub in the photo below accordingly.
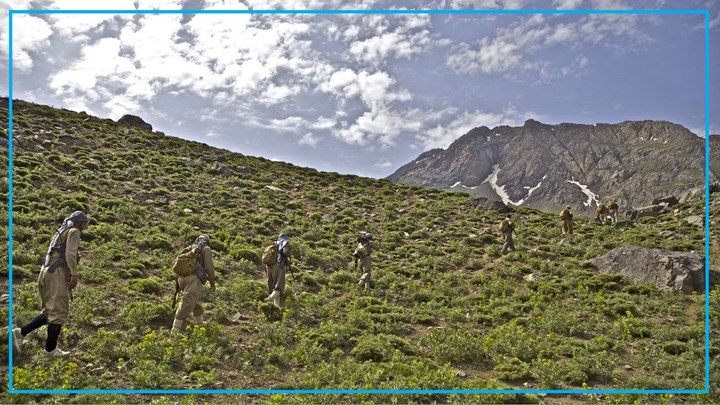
(147, 286)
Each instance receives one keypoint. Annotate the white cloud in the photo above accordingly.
(548, 72)
(274, 94)
(408, 38)
(567, 4)
(30, 35)
(342, 83)
(309, 139)
(288, 124)
(383, 164)
(521, 47)
(382, 125)
(475, 4)
(441, 136)
(76, 27)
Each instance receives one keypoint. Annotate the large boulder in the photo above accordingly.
(667, 270)
(649, 211)
(483, 203)
(669, 200)
(134, 121)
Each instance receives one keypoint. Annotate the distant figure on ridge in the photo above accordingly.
(613, 211)
(362, 257)
(58, 277)
(189, 284)
(507, 228)
(276, 259)
(566, 217)
(601, 213)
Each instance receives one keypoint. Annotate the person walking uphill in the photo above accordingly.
(613, 211)
(58, 277)
(362, 257)
(507, 228)
(567, 221)
(601, 213)
(190, 286)
(276, 267)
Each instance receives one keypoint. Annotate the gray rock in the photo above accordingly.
(667, 270)
(214, 158)
(485, 204)
(220, 168)
(669, 200)
(695, 220)
(134, 121)
(244, 169)
(649, 211)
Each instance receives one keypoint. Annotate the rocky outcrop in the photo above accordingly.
(669, 200)
(484, 204)
(649, 211)
(667, 270)
(134, 121)
(550, 166)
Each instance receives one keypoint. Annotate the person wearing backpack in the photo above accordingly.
(190, 286)
(507, 228)
(58, 277)
(601, 213)
(566, 217)
(277, 263)
(613, 211)
(362, 257)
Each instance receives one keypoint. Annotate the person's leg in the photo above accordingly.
(198, 314)
(190, 298)
(38, 321)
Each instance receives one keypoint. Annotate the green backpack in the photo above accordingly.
(187, 261)
(269, 256)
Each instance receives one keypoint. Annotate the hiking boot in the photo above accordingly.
(199, 320)
(273, 295)
(18, 339)
(57, 353)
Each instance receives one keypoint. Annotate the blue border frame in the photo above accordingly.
(706, 13)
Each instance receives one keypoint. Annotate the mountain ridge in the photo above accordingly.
(632, 162)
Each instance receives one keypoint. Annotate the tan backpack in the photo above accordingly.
(269, 256)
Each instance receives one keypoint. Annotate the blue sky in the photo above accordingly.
(363, 94)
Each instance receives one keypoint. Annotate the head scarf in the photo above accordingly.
(202, 240)
(282, 241)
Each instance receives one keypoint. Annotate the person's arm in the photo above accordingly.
(209, 266)
(71, 256)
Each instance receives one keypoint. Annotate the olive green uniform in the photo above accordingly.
(191, 289)
(600, 213)
(613, 211)
(54, 290)
(276, 272)
(507, 228)
(567, 224)
(365, 263)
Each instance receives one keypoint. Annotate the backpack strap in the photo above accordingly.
(57, 245)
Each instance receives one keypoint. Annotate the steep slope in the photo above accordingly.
(549, 166)
(446, 311)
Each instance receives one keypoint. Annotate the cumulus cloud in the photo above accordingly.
(387, 37)
(567, 4)
(309, 139)
(30, 35)
(78, 27)
(383, 164)
(520, 47)
(441, 136)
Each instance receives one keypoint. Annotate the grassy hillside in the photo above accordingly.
(446, 311)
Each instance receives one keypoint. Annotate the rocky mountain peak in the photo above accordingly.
(549, 166)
